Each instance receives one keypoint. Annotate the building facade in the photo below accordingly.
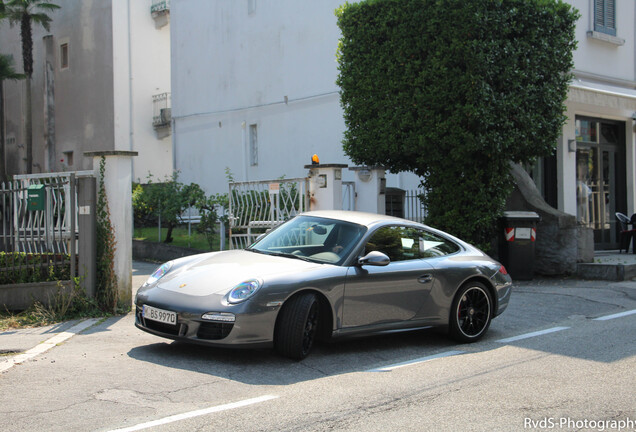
(255, 95)
(254, 91)
(101, 82)
(595, 173)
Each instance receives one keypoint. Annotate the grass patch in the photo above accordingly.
(181, 238)
(63, 306)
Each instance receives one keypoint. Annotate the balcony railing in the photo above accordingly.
(161, 110)
(159, 6)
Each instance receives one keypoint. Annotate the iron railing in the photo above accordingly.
(258, 206)
(161, 110)
(49, 232)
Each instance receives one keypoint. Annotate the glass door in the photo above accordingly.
(600, 185)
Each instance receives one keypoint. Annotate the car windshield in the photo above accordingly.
(312, 238)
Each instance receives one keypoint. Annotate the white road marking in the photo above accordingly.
(531, 335)
(416, 361)
(47, 344)
(197, 413)
(617, 315)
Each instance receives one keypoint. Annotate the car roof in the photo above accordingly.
(361, 218)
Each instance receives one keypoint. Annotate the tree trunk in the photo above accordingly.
(169, 238)
(28, 130)
(3, 164)
(27, 60)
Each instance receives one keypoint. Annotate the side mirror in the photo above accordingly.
(374, 258)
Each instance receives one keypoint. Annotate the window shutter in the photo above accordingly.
(605, 16)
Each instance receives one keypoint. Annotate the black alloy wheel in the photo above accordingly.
(471, 312)
(297, 326)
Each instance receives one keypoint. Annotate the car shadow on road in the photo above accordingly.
(266, 367)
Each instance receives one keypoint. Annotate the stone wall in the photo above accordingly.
(18, 297)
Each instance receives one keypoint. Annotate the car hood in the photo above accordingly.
(219, 272)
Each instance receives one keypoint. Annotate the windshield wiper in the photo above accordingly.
(282, 254)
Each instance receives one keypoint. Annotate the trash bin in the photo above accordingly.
(517, 242)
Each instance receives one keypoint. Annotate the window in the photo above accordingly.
(253, 145)
(404, 243)
(68, 158)
(64, 56)
(605, 16)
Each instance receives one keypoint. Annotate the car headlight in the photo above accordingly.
(243, 291)
(159, 273)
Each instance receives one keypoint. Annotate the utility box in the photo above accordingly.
(517, 243)
(36, 197)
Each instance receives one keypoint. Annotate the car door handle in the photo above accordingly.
(425, 278)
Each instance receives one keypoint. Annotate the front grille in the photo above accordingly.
(162, 327)
(214, 331)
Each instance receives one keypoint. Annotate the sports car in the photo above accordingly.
(326, 275)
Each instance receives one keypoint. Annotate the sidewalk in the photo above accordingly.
(609, 265)
(21, 344)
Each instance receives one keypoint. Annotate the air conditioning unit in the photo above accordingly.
(166, 115)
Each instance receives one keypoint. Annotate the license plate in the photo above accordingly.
(160, 315)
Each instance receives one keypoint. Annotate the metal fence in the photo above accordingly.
(258, 206)
(414, 208)
(39, 216)
(348, 195)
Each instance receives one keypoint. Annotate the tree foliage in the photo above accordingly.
(106, 291)
(167, 201)
(7, 72)
(452, 90)
(26, 13)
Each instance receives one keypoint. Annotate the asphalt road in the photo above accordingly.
(548, 363)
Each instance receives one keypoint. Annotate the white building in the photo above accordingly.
(595, 171)
(254, 91)
(95, 75)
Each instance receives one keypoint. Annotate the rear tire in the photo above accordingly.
(471, 313)
(297, 326)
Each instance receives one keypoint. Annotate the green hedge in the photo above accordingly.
(453, 90)
(19, 267)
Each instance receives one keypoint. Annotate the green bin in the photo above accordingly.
(36, 197)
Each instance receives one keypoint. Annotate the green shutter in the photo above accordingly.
(605, 16)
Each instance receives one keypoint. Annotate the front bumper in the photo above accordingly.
(192, 329)
(253, 326)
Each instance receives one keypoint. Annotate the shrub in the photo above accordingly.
(453, 91)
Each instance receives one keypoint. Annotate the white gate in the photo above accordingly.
(258, 206)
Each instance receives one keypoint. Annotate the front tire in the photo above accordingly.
(297, 326)
(471, 313)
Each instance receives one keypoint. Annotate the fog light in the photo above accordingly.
(219, 317)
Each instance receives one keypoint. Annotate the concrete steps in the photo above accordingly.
(610, 266)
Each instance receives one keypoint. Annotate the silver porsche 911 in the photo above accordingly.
(326, 274)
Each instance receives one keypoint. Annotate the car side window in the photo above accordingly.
(432, 245)
(401, 243)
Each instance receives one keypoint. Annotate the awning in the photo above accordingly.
(604, 88)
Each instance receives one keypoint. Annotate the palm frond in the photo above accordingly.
(42, 19)
(7, 72)
(46, 6)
